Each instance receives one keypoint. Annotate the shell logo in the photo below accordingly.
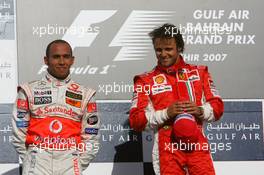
(159, 80)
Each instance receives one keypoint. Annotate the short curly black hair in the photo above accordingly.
(57, 41)
(168, 31)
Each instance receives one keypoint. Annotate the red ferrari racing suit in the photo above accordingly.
(154, 92)
(55, 126)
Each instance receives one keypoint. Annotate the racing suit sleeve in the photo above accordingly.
(213, 106)
(142, 114)
(90, 133)
(20, 120)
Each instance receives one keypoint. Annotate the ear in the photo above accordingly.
(73, 58)
(46, 60)
(179, 49)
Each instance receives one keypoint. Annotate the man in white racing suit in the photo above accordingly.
(55, 120)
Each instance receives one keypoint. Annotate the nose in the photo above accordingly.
(163, 54)
(61, 60)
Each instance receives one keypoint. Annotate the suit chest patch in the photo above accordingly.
(160, 84)
(185, 75)
(42, 100)
(73, 95)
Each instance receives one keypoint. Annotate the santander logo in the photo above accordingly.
(56, 110)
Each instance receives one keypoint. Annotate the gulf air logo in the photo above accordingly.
(132, 37)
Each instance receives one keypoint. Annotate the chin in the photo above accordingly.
(166, 65)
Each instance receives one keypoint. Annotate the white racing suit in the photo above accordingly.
(55, 127)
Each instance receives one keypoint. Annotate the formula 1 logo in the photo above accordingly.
(132, 37)
(131, 40)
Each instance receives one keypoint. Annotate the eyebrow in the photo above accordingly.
(61, 55)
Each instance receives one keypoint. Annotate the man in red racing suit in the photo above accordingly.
(174, 87)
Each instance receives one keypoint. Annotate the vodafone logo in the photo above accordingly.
(55, 126)
(74, 87)
(76, 166)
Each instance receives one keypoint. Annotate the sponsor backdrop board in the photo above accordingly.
(111, 44)
(237, 137)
